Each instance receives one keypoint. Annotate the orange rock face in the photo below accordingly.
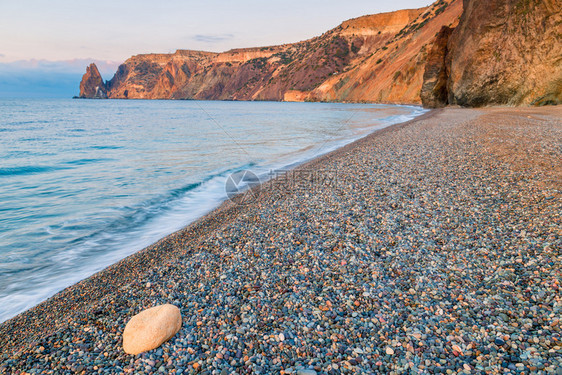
(295, 96)
(507, 52)
(394, 72)
(501, 52)
(434, 92)
(340, 65)
(92, 85)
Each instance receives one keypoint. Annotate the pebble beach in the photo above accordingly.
(429, 247)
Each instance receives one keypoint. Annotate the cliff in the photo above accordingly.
(506, 52)
(473, 53)
(340, 65)
(434, 92)
(393, 73)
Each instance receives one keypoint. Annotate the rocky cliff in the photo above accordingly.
(375, 58)
(393, 73)
(92, 85)
(434, 91)
(506, 52)
(501, 52)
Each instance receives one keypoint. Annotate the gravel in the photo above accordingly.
(429, 247)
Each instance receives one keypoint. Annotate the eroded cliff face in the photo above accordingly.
(340, 65)
(393, 73)
(506, 52)
(434, 92)
(498, 52)
(92, 85)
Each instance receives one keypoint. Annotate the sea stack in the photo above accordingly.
(92, 85)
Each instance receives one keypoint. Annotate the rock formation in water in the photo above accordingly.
(502, 52)
(92, 85)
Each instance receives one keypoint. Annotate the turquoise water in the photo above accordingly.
(85, 183)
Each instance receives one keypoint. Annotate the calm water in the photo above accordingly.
(84, 183)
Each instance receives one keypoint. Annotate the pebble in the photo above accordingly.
(435, 251)
(150, 328)
(306, 372)
(499, 341)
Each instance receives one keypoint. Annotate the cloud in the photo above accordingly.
(209, 38)
(62, 66)
(2, 55)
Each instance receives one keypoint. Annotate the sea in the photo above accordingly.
(86, 183)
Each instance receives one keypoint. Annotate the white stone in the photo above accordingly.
(306, 372)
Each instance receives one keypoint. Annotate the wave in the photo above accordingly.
(106, 147)
(28, 170)
(89, 245)
(87, 161)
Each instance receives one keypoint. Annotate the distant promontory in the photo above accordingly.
(469, 53)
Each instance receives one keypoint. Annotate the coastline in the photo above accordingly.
(138, 262)
(130, 218)
(105, 295)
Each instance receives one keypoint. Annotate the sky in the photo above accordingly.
(60, 37)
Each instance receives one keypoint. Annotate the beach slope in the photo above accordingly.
(431, 245)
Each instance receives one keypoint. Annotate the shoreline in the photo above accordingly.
(438, 242)
(164, 210)
(192, 232)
